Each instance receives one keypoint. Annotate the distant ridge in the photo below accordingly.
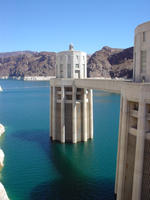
(15, 53)
(107, 62)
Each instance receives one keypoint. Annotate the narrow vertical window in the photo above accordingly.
(144, 36)
(69, 70)
(77, 57)
(61, 70)
(143, 61)
(69, 59)
(84, 70)
(56, 70)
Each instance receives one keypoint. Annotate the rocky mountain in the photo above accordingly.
(107, 62)
(111, 62)
(27, 64)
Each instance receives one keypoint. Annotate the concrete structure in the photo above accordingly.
(71, 64)
(142, 53)
(71, 106)
(133, 157)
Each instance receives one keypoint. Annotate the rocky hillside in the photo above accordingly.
(108, 62)
(111, 62)
(27, 64)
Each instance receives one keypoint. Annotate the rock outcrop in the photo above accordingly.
(111, 62)
(3, 194)
(1, 158)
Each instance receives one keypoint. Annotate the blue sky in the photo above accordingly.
(50, 25)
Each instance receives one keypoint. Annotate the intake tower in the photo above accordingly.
(71, 106)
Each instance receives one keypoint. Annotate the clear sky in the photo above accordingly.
(50, 25)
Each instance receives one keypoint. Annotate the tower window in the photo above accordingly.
(69, 58)
(143, 61)
(56, 69)
(69, 70)
(60, 58)
(61, 70)
(77, 73)
(77, 65)
(144, 36)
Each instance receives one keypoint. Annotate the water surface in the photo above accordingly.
(35, 168)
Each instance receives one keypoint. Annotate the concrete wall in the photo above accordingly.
(145, 194)
(133, 168)
(129, 171)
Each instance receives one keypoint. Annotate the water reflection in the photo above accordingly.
(73, 182)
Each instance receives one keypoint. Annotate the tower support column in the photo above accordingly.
(123, 149)
(54, 110)
(139, 155)
(84, 115)
(74, 115)
(62, 114)
(51, 107)
(118, 152)
(91, 112)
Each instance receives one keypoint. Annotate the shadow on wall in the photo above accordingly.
(72, 184)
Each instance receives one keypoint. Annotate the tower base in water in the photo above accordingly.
(71, 112)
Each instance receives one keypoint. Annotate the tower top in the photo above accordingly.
(141, 53)
(71, 47)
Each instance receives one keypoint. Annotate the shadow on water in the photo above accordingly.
(72, 184)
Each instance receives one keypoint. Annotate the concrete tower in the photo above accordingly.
(142, 53)
(71, 107)
(133, 158)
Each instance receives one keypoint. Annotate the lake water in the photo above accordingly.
(37, 169)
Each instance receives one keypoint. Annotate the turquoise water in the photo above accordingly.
(35, 168)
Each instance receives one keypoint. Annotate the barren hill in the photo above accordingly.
(111, 62)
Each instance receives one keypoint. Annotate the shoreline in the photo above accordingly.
(3, 193)
(28, 78)
(48, 78)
